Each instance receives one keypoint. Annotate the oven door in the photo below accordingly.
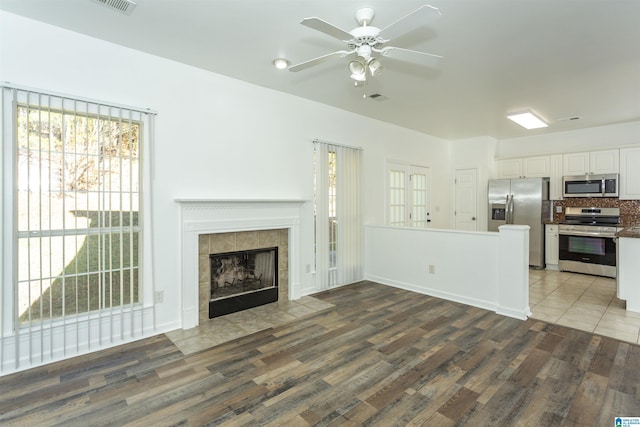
(585, 252)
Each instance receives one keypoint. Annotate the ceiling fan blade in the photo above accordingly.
(411, 21)
(422, 58)
(320, 59)
(327, 28)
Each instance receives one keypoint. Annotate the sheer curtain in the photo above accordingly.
(338, 217)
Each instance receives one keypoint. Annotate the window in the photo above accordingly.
(73, 232)
(407, 195)
(338, 223)
(78, 199)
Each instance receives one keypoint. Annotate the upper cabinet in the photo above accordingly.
(528, 167)
(588, 163)
(630, 173)
(555, 177)
(536, 167)
(509, 168)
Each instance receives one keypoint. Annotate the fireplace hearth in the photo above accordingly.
(242, 280)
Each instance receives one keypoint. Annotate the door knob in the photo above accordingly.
(473, 218)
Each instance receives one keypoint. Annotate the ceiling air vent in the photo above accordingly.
(378, 97)
(568, 119)
(123, 6)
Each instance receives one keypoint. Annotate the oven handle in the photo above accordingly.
(586, 234)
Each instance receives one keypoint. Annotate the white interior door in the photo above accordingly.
(466, 199)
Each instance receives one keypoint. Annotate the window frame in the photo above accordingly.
(9, 259)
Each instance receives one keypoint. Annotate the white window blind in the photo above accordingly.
(338, 217)
(73, 225)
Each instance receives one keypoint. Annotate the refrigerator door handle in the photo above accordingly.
(506, 213)
(511, 210)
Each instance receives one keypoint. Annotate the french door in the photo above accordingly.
(407, 195)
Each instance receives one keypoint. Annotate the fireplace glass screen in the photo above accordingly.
(242, 272)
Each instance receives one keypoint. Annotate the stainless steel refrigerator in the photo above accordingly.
(523, 201)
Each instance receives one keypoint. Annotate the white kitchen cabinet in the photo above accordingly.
(629, 272)
(594, 162)
(536, 167)
(604, 161)
(551, 246)
(575, 164)
(555, 177)
(509, 168)
(527, 167)
(629, 173)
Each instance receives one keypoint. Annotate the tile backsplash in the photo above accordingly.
(629, 209)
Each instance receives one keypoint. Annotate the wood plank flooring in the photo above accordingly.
(381, 356)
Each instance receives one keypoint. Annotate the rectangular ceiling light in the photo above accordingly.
(527, 120)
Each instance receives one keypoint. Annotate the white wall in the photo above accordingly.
(487, 270)
(216, 137)
(402, 146)
(588, 139)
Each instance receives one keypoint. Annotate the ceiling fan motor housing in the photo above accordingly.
(364, 39)
(364, 16)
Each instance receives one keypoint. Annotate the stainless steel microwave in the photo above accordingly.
(590, 185)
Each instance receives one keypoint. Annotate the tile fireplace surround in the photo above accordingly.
(202, 219)
(217, 243)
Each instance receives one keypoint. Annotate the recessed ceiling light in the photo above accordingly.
(527, 120)
(280, 63)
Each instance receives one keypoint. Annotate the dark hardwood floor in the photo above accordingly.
(381, 356)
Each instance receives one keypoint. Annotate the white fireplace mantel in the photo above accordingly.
(207, 216)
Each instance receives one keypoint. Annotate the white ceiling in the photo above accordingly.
(560, 58)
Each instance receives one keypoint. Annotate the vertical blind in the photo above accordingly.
(73, 227)
(338, 214)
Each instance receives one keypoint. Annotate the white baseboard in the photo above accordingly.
(516, 314)
(487, 305)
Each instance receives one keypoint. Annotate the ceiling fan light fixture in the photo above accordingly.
(375, 66)
(356, 67)
(280, 63)
(359, 77)
(527, 120)
(358, 70)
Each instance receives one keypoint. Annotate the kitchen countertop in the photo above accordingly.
(633, 232)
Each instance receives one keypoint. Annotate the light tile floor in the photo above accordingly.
(226, 328)
(582, 302)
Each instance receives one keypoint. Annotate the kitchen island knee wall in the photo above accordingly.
(483, 269)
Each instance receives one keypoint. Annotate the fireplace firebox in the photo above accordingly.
(242, 280)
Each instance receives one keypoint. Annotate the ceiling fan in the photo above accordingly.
(366, 41)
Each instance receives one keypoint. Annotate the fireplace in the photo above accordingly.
(242, 280)
(219, 226)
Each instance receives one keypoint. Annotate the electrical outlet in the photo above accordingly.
(558, 209)
(432, 269)
(158, 297)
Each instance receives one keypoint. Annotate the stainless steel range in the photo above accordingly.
(587, 242)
